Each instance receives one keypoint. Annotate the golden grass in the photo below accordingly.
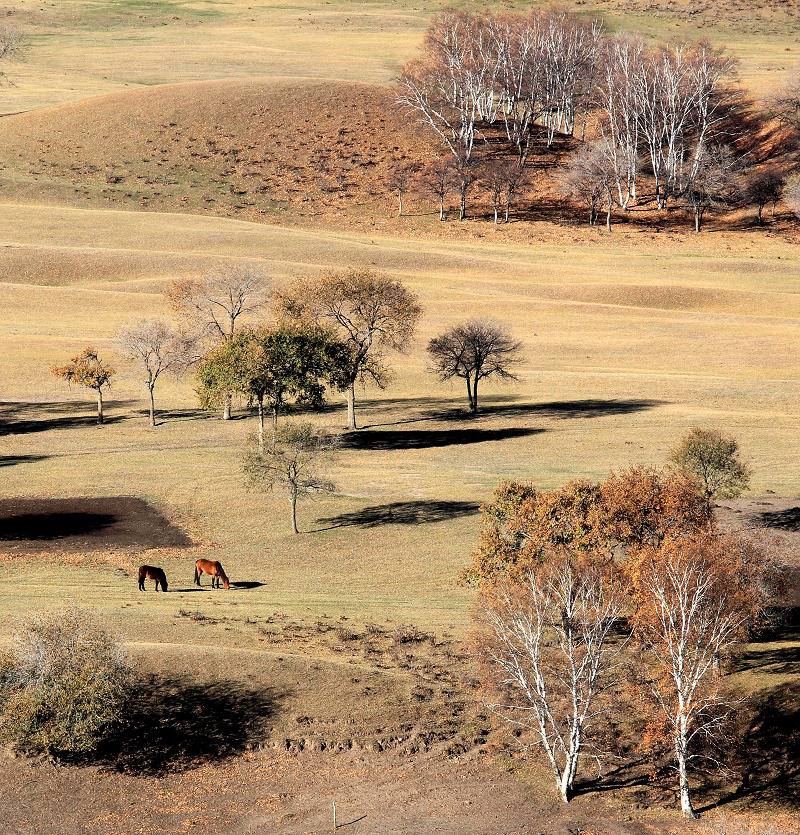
(628, 343)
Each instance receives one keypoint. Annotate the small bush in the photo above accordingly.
(62, 683)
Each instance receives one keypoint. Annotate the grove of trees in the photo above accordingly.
(647, 124)
(594, 586)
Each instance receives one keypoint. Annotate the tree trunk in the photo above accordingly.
(400, 202)
(462, 211)
(293, 500)
(496, 211)
(508, 208)
(152, 407)
(226, 409)
(760, 211)
(698, 219)
(469, 392)
(260, 402)
(274, 415)
(608, 217)
(441, 207)
(99, 405)
(591, 213)
(351, 406)
(683, 777)
(474, 404)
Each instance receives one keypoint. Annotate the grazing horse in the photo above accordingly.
(214, 570)
(150, 572)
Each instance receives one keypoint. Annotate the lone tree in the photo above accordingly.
(694, 599)
(156, 347)
(370, 314)
(87, 369)
(550, 660)
(713, 184)
(474, 351)
(711, 459)
(210, 308)
(291, 462)
(438, 178)
(62, 682)
(270, 365)
(400, 181)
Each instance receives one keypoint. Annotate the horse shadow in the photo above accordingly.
(172, 725)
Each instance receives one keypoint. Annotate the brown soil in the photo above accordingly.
(80, 525)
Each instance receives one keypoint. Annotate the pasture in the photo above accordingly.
(629, 339)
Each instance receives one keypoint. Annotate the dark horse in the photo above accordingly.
(214, 570)
(150, 572)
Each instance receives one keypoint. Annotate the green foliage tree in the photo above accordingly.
(270, 365)
(711, 459)
(62, 682)
(291, 463)
(370, 314)
(87, 369)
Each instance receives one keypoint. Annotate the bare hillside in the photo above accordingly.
(244, 148)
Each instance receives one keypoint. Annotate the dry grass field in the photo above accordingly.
(629, 340)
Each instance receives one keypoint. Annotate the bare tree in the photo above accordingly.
(156, 347)
(694, 599)
(785, 103)
(291, 462)
(438, 179)
(791, 194)
(475, 350)
(762, 186)
(589, 176)
(87, 369)
(551, 660)
(713, 184)
(210, 308)
(370, 313)
(400, 181)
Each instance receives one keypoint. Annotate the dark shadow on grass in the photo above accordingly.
(428, 438)
(23, 418)
(247, 584)
(13, 460)
(786, 520)
(563, 409)
(47, 526)
(401, 513)
(767, 757)
(173, 725)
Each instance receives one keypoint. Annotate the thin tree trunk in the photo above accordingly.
(441, 207)
(608, 217)
(274, 415)
(760, 211)
(475, 395)
(698, 220)
(496, 211)
(99, 405)
(152, 408)
(293, 500)
(351, 406)
(400, 201)
(260, 402)
(508, 209)
(462, 212)
(226, 409)
(469, 392)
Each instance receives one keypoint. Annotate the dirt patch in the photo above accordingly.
(79, 525)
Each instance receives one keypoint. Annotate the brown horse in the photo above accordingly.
(214, 570)
(151, 572)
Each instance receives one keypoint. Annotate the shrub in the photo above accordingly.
(62, 683)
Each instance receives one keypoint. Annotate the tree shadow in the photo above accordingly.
(562, 409)
(426, 439)
(787, 520)
(172, 725)
(401, 513)
(23, 418)
(767, 755)
(82, 523)
(45, 526)
(13, 460)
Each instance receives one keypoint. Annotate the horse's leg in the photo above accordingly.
(141, 585)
